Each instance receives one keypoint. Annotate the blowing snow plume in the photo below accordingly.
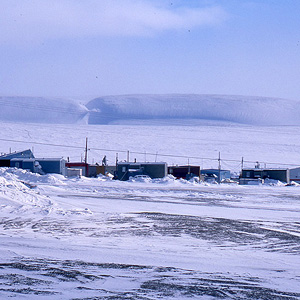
(168, 108)
(40, 110)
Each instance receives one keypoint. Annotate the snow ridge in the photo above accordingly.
(170, 109)
(225, 108)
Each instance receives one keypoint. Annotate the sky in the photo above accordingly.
(89, 48)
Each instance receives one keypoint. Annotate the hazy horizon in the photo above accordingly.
(94, 48)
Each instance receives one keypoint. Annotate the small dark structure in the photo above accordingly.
(184, 172)
(259, 173)
(125, 170)
(210, 174)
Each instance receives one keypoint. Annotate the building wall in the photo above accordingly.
(184, 171)
(46, 166)
(295, 174)
(4, 163)
(82, 166)
(155, 170)
(53, 166)
(276, 174)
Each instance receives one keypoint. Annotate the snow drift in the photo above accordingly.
(40, 110)
(236, 109)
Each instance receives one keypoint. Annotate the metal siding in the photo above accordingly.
(28, 165)
(155, 170)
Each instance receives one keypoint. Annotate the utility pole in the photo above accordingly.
(86, 149)
(219, 168)
(85, 157)
(127, 155)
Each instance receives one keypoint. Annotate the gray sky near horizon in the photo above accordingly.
(90, 48)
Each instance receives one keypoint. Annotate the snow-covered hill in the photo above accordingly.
(40, 110)
(184, 107)
(173, 109)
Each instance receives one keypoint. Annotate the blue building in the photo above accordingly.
(40, 165)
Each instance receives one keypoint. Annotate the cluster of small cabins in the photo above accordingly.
(126, 170)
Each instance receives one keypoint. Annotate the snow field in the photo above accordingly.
(85, 237)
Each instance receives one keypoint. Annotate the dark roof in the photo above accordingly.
(22, 154)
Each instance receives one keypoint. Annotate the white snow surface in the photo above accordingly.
(187, 108)
(41, 110)
(96, 238)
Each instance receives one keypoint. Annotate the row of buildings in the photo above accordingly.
(125, 170)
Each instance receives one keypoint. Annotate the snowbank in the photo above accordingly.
(171, 108)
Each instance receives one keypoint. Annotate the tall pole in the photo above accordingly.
(219, 159)
(86, 149)
(242, 166)
(127, 155)
(85, 157)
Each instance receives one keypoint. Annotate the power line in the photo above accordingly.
(140, 153)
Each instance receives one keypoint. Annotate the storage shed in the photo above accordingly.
(276, 174)
(185, 172)
(153, 169)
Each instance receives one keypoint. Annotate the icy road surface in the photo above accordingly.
(101, 239)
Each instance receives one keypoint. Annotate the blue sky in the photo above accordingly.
(73, 48)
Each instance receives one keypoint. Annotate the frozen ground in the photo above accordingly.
(100, 239)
